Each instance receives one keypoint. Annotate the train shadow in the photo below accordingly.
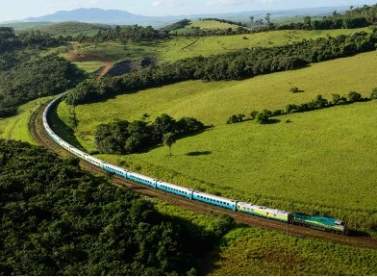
(63, 130)
(358, 233)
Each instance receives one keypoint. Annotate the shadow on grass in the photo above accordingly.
(198, 153)
(63, 130)
(271, 121)
(357, 233)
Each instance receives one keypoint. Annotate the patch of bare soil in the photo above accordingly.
(77, 57)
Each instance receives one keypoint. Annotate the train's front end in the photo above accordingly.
(340, 227)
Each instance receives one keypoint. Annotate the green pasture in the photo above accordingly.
(256, 252)
(211, 24)
(187, 47)
(89, 66)
(320, 162)
(249, 251)
(16, 127)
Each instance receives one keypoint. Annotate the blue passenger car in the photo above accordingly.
(115, 169)
(215, 200)
(140, 178)
(175, 189)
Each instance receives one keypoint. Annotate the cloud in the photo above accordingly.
(157, 3)
(169, 4)
(222, 3)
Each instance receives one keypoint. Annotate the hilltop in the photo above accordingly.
(119, 17)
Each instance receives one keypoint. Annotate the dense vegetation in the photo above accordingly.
(230, 66)
(58, 220)
(24, 77)
(122, 137)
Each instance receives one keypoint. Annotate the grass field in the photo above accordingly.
(251, 251)
(186, 47)
(321, 162)
(16, 127)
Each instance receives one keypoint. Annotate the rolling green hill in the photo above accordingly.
(73, 28)
(280, 165)
(188, 47)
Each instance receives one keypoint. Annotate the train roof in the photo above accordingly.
(252, 206)
(140, 175)
(197, 192)
(173, 186)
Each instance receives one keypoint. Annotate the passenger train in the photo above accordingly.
(318, 222)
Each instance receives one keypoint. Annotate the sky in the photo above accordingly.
(21, 9)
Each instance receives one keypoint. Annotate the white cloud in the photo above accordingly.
(169, 4)
(157, 3)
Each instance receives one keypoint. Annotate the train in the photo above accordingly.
(319, 222)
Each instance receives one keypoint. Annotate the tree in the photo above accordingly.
(268, 18)
(253, 114)
(373, 95)
(169, 139)
(354, 96)
(307, 22)
(251, 22)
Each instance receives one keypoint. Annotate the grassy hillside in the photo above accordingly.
(16, 127)
(251, 251)
(280, 165)
(24, 26)
(186, 47)
(73, 28)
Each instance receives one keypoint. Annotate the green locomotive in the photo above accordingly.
(319, 222)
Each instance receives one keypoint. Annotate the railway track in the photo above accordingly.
(41, 137)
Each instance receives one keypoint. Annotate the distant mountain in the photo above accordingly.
(95, 15)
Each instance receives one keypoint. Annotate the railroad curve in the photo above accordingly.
(41, 137)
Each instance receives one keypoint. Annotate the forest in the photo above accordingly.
(123, 137)
(25, 76)
(59, 220)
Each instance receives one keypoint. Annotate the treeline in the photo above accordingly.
(125, 34)
(24, 76)
(177, 25)
(327, 24)
(123, 137)
(236, 65)
(239, 28)
(353, 18)
(240, 24)
(58, 220)
(319, 102)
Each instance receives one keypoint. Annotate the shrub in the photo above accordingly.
(373, 95)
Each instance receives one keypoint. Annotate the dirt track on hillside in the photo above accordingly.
(77, 57)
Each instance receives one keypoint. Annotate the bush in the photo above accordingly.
(354, 96)
(373, 95)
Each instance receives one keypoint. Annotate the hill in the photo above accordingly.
(119, 17)
(72, 28)
(290, 154)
